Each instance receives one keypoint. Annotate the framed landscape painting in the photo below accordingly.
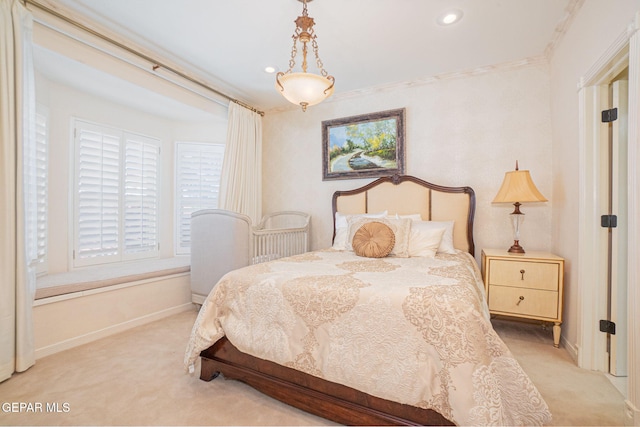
(366, 146)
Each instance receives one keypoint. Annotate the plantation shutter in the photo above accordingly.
(198, 171)
(98, 193)
(42, 172)
(141, 194)
(117, 195)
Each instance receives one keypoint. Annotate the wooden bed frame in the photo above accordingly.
(398, 195)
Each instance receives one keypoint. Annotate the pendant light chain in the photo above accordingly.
(305, 88)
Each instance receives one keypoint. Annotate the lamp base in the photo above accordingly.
(516, 248)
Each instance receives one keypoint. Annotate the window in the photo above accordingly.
(198, 170)
(116, 198)
(42, 187)
(36, 189)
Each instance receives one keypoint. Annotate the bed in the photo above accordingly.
(372, 340)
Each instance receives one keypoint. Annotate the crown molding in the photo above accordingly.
(487, 69)
(373, 90)
(571, 10)
(570, 13)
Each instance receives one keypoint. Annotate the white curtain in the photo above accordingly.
(241, 181)
(17, 125)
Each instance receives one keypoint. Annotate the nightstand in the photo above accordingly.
(528, 286)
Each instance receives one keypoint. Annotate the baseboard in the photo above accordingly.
(571, 349)
(631, 414)
(197, 299)
(111, 330)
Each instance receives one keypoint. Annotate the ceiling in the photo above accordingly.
(362, 43)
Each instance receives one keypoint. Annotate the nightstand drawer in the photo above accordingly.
(522, 274)
(533, 303)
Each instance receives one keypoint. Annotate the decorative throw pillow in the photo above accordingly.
(342, 227)
(373, 240)
(400, 227)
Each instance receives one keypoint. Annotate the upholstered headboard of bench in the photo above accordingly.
(405, 194)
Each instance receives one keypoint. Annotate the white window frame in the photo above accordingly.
(124, 196)
(205, 187)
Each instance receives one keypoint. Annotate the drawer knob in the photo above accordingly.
(521, 274)
(520, 300)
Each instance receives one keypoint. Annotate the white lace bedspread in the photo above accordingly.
(410, 330)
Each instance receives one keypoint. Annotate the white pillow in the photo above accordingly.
(424, 241)
(446, 243)
(342, 227)
(401, 229)
(412, 217)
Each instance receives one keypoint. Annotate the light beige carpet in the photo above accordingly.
(575, 396)
(136, 378)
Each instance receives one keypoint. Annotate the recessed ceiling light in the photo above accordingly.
(270, 69)
(450, 17)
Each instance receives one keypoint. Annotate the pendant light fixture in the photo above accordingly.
(303, 88)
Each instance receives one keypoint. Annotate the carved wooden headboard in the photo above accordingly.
(405, 194)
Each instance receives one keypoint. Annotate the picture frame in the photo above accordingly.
(365, 146)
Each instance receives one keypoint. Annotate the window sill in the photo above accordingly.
(91, 278)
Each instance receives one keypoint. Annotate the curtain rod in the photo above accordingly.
(156, 64)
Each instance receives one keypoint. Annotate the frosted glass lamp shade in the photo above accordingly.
(304, 89)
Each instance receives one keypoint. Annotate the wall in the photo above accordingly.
(467, 130)
(594, 29)
(63, 322)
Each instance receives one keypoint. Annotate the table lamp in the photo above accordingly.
(518, 188)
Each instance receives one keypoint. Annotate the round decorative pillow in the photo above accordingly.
(373, 240)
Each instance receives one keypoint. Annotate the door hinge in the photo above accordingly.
(608, 221)
(608, 326)
(609, 115)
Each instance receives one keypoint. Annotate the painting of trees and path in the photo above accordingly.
(370, 145)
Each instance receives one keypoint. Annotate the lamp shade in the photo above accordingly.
(304, 88)
(518, 187)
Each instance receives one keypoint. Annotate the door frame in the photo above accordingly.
(625, 51)
(619, 176)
